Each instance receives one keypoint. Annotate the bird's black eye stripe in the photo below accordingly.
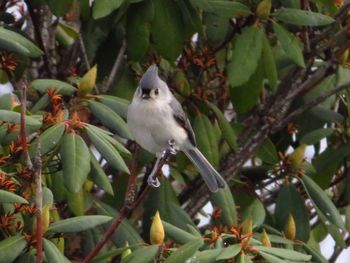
(156, 91)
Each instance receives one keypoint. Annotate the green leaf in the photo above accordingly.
(322, 201)
(223, 199)
(125, 232)
(19, 43)
(107, 150)
(270, 258)
(109, 118)
(51, 137)
(317, 257)
(302, 17)
(103, 8)
(107, 136)
(75, 157)
(268, 153)
(316, 136)
(290, 44)
(168, 29)
(118, 105)
(226, 9)
(103, 257)
(47, 197)
(53, 253)
(43, 85)
(207, 143)
(77, 202)
(6, 101)
(79, 223)
(269, 63)
(288, 202)
(216, 28)
(254, 210)
(275, 238)
(284, 253)
(177, 234)
(245, 56)
(245, 97)
(15, 117)
(227, 132)
(138, 29)
(328, 162)
(9, 197)
(229, 252)
(59, 8)
(40, 104)
(98, 175)
(185, 252)
(142, 255)
(325, 114)
(206, 256)
(11, 247)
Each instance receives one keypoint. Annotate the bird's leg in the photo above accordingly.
(153, 179)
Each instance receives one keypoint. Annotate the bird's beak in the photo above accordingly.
(145, 96)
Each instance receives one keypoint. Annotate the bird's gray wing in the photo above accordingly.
(182, 120)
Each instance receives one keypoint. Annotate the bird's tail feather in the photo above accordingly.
(211, 177)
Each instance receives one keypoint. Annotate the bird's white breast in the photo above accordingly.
(152, 124)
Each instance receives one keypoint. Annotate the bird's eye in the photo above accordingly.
(156, 91)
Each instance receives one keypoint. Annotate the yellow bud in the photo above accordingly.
(88, 81)
(45, 219)
(296, 158)
(265, 240)
(126, 252)
(45, 214)
(88, 185)
(59, 243)
(157, 230)
(290, 229)
(344, 57)
(247, 226)
(263, 9)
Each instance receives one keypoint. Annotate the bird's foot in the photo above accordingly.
(153, 181)
(171, 148)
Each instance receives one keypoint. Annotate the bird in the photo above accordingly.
(158, 123)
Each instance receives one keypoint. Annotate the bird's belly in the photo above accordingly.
(154, 128)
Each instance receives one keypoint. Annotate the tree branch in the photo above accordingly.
(116, 66)
(38, 204)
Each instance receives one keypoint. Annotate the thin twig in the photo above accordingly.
(83, 51)
(39, 204)
(23, 133)
(37, 174)
(312, 104)
(37, 34)
(116, 66)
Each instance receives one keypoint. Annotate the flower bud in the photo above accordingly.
(296, 158)
(263, 9)
(265, 240)
(157, 230)
(289, 228)
(247, 226)
(88, 81)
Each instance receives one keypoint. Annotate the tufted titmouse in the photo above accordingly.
(157, 121)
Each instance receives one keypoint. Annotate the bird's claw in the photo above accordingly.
(171, 147)
(153, 181)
